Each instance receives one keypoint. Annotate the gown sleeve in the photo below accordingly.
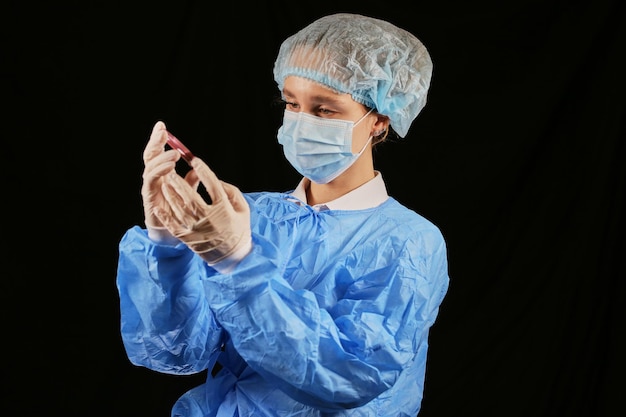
(166, 322)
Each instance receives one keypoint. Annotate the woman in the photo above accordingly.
(314, 302)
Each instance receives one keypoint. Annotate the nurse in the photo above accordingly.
(312, 302)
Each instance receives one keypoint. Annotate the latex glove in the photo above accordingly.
(214, 231)
(158, 163)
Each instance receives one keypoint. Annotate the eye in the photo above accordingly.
(290, 105)
(325, 112)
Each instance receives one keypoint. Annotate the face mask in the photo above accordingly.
(319, 149)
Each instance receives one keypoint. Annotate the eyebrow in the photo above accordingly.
(330, 97)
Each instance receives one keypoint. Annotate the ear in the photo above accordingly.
(381, 125)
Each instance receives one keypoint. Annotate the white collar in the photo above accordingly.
(371, 194)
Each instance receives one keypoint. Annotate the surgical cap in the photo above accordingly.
(378, 64)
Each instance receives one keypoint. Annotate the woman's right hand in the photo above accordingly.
(158, 163)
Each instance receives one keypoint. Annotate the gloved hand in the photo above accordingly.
(214, 231)
(158, 163)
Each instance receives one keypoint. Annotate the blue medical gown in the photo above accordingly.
(327, 316)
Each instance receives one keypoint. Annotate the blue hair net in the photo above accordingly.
(378, 64)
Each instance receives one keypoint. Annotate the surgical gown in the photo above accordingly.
(327, 316)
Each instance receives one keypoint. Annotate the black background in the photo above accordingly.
(518, 157)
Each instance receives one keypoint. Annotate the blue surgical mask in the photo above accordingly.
(318, 148)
